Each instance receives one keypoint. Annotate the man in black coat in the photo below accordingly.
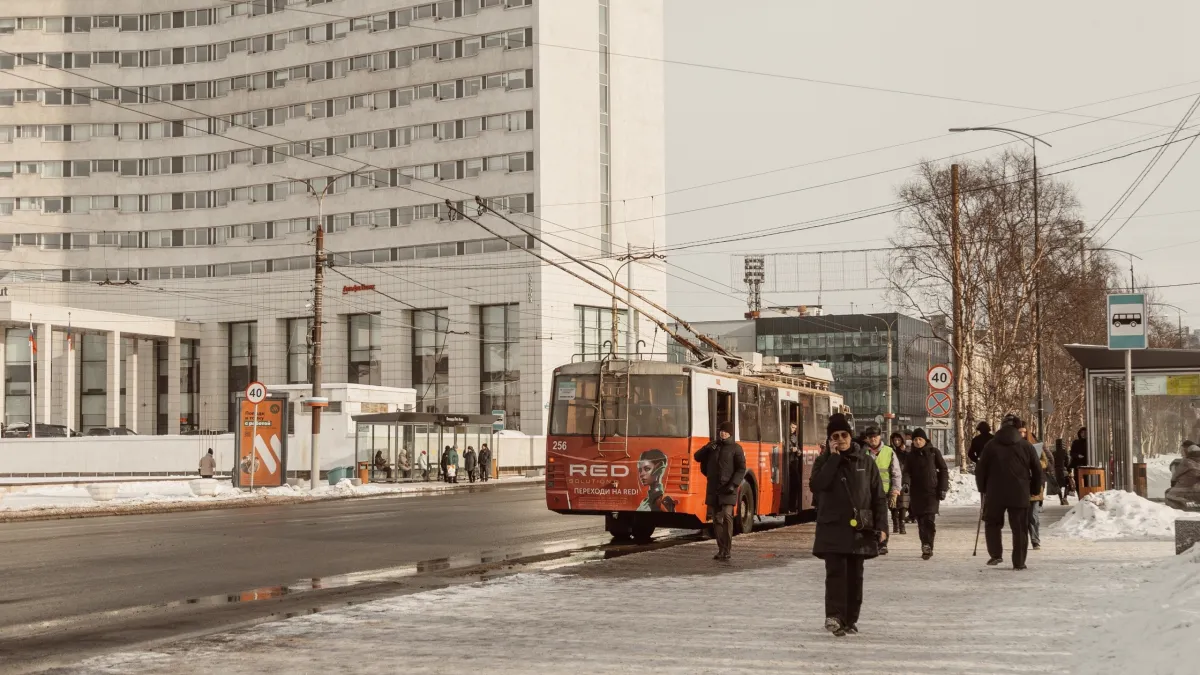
(1008, 474)
(851, 522)
(1079, 454)
(978, 443)
(928, 482)
(724, 465)
(1062, 462)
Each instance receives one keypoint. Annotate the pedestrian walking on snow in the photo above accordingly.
(723, 463)
(1079, 455)
(851, 522)
(1007, 476)
(890, 473)
(470, 463)
(900, 512)
(208, 465)
(980, 440)
(485, 462)
(1062, 464)
(929, 481)
(1036, 501)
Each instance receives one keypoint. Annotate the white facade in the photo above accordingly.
(509, 101)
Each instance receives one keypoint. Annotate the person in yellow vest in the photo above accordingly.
(889, 470)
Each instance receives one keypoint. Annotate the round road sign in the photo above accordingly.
(939, 378)
(938, 404)
(256, 392)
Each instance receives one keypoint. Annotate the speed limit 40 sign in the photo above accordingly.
(939, 378)
(256, 392)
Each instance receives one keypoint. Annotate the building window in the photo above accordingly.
(365, 349)
(299, 350)
(500, 370)
(431, 359)
(93, 381)
(17, 386)
(189, 387)
(243, 361)
(595, 331)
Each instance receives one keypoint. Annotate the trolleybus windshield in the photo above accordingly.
(651, 406)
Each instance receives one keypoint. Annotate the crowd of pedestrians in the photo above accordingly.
(477, 465)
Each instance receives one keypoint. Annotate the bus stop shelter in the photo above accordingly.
(1166, 405)
(412, 442)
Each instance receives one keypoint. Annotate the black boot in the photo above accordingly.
(895, 521)
(902, 521)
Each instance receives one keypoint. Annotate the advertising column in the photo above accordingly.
(261, 442)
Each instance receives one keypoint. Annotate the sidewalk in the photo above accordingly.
(47, 502)
(678, 611)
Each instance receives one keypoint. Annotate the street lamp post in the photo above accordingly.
(1037, 285)
(890, 413)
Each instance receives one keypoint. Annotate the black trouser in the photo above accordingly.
(1064, 486)
(843, 587)
(722, 518)
(1018, 522)
(927, 527)
(485, 471)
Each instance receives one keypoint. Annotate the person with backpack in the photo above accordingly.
(851, 522)
(929, 482)
(1008, 476)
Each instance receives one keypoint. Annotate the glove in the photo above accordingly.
(729, 490)
(891, 501)
(942, 496)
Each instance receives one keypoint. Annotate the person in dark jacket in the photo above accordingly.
(900, 513)
(1079, 454)
(485, 462)
(445, 461)
(470, 463)
(724, 465)
(981, 440)
(928, 482)
(1062, 462)
(851, 522)
(1008, 475)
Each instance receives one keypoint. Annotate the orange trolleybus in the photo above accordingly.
(623, 432)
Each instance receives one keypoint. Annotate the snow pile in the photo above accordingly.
(1157, 628)
(1116, 514)
(962, 490)
(1158, 475)
(141, 495)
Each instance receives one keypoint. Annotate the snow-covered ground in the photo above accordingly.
(138, 495)
(1154, 628)
(1117, 514)
(676, 612)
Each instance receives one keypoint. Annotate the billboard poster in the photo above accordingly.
(261, 443)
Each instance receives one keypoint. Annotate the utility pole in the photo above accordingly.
(957, 315)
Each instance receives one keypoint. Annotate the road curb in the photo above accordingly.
(68, 513)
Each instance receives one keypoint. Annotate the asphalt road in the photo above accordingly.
(56, 570)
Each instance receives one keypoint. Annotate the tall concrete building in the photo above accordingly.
(156, 164)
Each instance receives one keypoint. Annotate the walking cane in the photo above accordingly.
(979, 526)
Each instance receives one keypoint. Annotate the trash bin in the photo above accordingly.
(364, 472)
(1139, 480)
(337, 473)
(1091, 479)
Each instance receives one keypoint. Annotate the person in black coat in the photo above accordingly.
(1079, 454)
(1009, 473)
(978, 443)
(1062, 463)
(900, 512)
(851, 522)
(929, 481)
(724, 465)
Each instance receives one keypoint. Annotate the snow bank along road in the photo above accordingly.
(676, 611)
(69, 586)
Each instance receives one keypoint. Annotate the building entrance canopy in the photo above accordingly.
(1166, 405)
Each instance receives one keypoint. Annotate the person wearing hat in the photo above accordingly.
(851, 522)
(723, 463)
(929, 480)
(980, 441)
(900, 513)
(889, 472)
(1008, 475)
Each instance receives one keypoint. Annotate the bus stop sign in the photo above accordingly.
(1127, 318)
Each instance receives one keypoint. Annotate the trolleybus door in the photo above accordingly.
(794, 484)
(720, 410)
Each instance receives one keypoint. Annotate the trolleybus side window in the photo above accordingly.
(768, 412)
(812, 433)
(574, 409)
(658, 406)
(748, 411)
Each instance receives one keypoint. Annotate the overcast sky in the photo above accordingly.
(1029, 56)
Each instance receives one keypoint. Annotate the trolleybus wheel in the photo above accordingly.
(745, 511)
(621, 528)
